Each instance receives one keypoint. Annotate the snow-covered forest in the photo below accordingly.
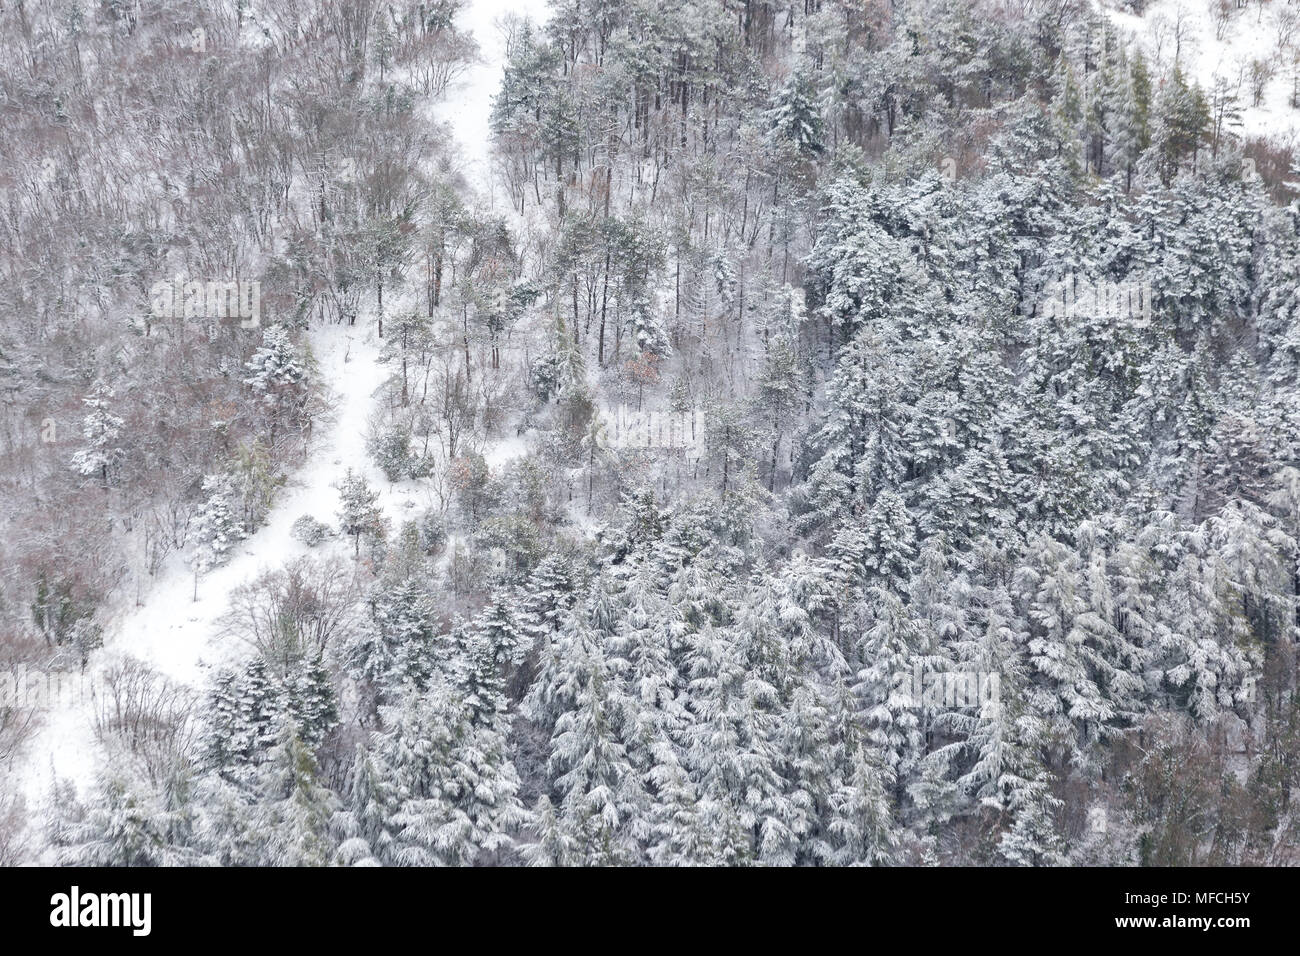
(650, 432)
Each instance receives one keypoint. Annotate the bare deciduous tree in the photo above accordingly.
(296, 612)
(146, 714)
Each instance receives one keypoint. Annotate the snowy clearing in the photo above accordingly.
(1186, 30)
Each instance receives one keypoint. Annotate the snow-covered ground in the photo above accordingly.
(467, 108)
(177, 633)
(1186, 31)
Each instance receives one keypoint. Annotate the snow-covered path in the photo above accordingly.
(173, 631)
(467, 108)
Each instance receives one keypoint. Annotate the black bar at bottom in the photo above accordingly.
(601, 909)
